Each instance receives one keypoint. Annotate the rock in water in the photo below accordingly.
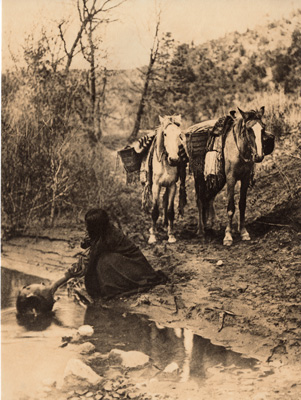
(76, 370)
(85, 330)
(129, 359)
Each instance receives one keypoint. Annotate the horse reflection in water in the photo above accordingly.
(192, 353)
(165, 164)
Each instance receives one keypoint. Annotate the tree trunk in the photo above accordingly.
(135, 131)
(94, 101)
(152, 60)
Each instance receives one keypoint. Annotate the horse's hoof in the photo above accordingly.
(245, 236)
(227, 242)
(152, 239)
(172, 239)
(200, 234)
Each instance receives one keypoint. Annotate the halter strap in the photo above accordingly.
(164, 151)
(248, 140)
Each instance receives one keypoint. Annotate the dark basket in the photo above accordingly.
(130, 159)
(197, 142)
(268, 144)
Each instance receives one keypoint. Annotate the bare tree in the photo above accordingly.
(96, 96)
(89, 12)
(92, 14)
(152, 60)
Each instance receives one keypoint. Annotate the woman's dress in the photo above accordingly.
(117, 267)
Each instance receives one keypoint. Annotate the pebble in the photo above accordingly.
(172, 367)
(85, 330)
(81, 392)
(86, 348)
(220, 263)
(89, 394)
(108, 386)
(133, 395)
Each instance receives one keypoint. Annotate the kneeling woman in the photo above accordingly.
(113, 264)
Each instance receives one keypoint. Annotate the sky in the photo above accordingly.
(128, 40)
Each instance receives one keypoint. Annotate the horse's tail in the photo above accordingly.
(182, 191)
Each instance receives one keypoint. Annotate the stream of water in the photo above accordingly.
(31, 353)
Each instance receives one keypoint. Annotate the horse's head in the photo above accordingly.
(254, 130)
(169, 138)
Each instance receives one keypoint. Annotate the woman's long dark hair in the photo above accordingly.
(97, 221)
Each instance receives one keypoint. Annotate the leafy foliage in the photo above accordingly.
(42, 166)
(50, 161)
(204, 81)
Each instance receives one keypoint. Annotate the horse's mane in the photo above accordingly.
(169, 119)
(252, 115)
(238, 123)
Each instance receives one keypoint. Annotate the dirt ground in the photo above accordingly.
(245, 297)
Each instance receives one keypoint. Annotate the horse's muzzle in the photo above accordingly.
(173, 162)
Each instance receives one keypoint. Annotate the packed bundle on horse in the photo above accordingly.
(132, 156)
(268, 142)
(205, 148)
(196, 142)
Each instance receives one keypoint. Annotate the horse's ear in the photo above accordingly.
(161, 119)
(232, 113)
(261, 111)
(178, 119)
(160, 144)
(243, 114)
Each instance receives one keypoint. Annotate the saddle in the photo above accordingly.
(219, 131)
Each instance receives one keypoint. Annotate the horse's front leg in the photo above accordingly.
(228, 240)
(165, 206)
(155, 213)
(171, 212)
(242, 209)
(210, 215)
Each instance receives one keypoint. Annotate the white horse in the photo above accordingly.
(165, 172)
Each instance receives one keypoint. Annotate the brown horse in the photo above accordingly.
(165, 172)
(243, 147)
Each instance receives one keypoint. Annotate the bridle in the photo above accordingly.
(165, 153)
(246, 132)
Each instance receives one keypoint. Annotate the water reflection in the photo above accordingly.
(37, 342)
(30, 350)
(38, 323)
(11, 282)
(65, 312)
(193, 354)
